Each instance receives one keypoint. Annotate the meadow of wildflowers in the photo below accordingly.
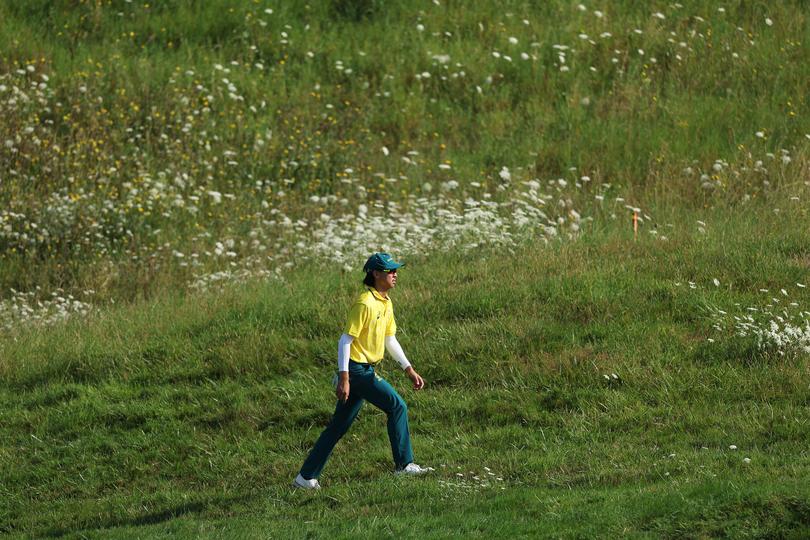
(179, 179)
(140, 139)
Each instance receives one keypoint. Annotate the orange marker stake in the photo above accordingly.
(635, 225)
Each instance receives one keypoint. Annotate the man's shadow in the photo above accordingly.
(152, 518)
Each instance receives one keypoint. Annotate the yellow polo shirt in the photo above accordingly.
(371, 318)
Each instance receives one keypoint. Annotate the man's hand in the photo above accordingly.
(343, 386)
(418, 381)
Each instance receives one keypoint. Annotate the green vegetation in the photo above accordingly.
(136, 130)
(188, 188)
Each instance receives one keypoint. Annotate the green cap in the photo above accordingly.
(381, 261)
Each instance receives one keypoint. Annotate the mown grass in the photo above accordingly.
(190, 415)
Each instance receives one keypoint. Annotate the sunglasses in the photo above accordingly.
(394, 271)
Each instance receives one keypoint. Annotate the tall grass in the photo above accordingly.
(306, 96)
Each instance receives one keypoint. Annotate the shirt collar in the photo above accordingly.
(377, 295)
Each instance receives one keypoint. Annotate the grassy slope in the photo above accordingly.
(191, 415)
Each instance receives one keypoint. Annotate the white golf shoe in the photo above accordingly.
(303, 483)
(412, 469)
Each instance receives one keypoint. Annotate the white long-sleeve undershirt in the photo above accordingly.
(344, 350)
(391, 345)
(395, 350)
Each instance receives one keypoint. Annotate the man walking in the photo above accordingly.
(370, 331)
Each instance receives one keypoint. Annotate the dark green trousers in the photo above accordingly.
(364, 385)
